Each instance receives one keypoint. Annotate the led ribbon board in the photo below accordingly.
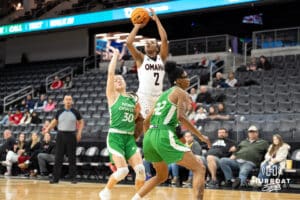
(107, 16)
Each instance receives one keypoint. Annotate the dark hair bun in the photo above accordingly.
(170, 65)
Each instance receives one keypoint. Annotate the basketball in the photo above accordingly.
(140, 16)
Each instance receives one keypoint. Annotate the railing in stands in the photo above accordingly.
(197, 83)
(68, 71)
(285, 37)
(17, 96)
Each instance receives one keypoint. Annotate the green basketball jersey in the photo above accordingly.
(165, 112)
(122, 115)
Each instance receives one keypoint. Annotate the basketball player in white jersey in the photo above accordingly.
(150, 66)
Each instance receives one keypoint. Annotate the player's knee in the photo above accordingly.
(121, 173)
(140, 172)
(162, 177)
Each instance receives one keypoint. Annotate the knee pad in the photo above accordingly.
(121, 173)
(140, 172)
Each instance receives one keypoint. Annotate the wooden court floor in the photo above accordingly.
(19, 189)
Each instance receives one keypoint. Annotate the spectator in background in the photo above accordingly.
(15, 118)
(193, 94)
(231, 81)
(221, 147)
(56, 84)
(221, 109)
(197, 151)
(249, 154)
(219, 81)
(50, 105)
(35, 118)
(218, 62)
(31, 152)
(274, 162)
(41, 103)
(252, 67)
(29, 103)
(45, 126)
(68, 83)
(263, 63)
(7, 145)
(214, 115)
(5, 120)
(46, 155)
(13, 155)
(204, 97)
(201, 114)
(26, 119)
(21, 105)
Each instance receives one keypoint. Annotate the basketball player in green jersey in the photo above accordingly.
(120, 140)
(161, 145)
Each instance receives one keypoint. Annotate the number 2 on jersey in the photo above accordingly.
(156, 76)
(159, 106)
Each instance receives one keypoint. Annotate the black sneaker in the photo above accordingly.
(236, 184)
(73, 181)
(213, 184)
(227, 184)
(52, 181)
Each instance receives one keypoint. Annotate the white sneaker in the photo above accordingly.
(4, 163)
(255, 182)
(105, 194)
(7, 174)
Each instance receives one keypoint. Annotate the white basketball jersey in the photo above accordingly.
(151, 75)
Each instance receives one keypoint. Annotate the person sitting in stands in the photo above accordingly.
(263, 63)
(204, 98)
(219, 81)
(47, 154)
(15, 118)
(231, 81)
(41, 103)
(249, 154)
(13, 154)
(274, 162)
(29, 103)
(26, 119)
(68, 82)
(35, 118)
(56, 84)
(214, 115)
(5, 120)
(50, 105)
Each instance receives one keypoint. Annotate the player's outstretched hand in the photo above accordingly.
(153, 15)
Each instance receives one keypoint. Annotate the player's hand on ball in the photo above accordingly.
(153, 15)
(139, 26)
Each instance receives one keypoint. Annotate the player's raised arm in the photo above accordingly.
(164, 49)
(111, 92)
(136, 54)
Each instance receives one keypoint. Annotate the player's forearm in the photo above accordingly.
(132, 35)
(162, 32)
(52, 125)
(112, 65)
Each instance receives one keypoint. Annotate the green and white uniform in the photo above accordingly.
(160, 141)
(120, 139)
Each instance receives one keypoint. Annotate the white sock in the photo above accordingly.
(136, 197)
(106, 190)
